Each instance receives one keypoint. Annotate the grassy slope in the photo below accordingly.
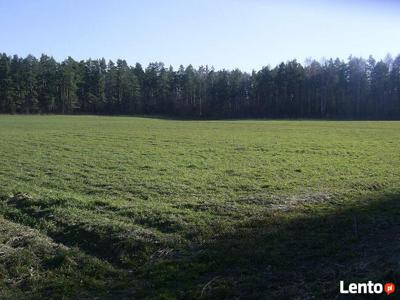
(161, 208)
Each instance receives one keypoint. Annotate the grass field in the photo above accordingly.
(118, 207)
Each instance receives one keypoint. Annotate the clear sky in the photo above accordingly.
(247, 34)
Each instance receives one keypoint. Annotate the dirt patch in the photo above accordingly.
(287, 202)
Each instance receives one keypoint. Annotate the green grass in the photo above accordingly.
(146, 208)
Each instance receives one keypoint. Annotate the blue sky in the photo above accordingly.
(247, 34)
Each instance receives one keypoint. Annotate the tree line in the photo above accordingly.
(353, 89)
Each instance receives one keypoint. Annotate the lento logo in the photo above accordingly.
(367, 288)
(389, 288)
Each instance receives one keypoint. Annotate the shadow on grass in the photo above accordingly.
(298, 252)
(301, 253)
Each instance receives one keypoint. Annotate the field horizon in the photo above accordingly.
(141, 207)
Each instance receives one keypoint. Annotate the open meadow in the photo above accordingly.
(127, 207)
